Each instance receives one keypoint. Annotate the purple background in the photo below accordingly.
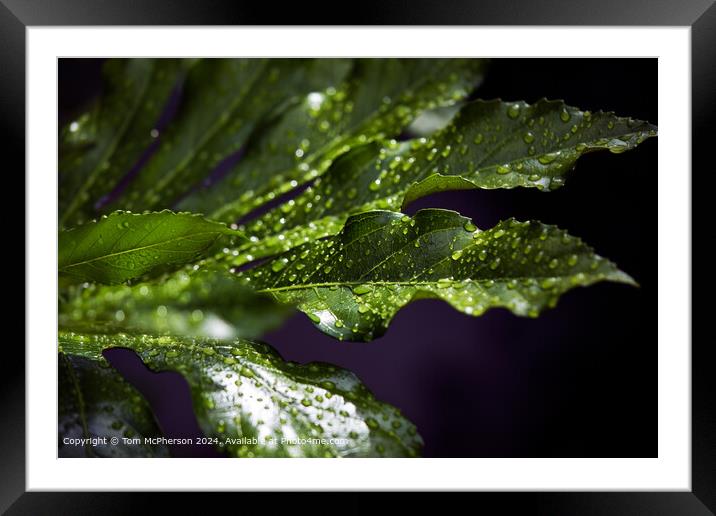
(580, 381)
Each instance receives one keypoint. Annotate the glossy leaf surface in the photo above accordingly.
(201, 303)
(352, 284)
(377, 99)
(224, 102)
(101, 146)
(124, 246)
(96, 402)
(243, 391)
(487, 145)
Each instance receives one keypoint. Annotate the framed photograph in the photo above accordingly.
(451, 249)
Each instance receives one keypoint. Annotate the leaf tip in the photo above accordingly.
(620, 276)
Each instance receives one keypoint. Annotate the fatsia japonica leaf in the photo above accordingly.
(154, 134)
(227, 138)
(258, 405)
(96, 402)
(201, 303)
(494, 144)
(490, 144)
(377, 100)
(351, 285)
(101, 146)
(124, 246)
(223, 102)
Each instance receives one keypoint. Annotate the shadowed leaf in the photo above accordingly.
(95, 401)
(101, 146)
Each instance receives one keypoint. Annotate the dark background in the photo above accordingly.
(580, 381)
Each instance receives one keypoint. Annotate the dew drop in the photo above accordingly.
(362, 289)
(279, 264)
(548, 158)
(444, 282)
(548, 283)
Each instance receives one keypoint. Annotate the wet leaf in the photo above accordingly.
(363, 138)
(351, 285)
(224, 102)
(244, 390)
(124, 246)
(377, 100)
(102, 145)
(494, 144)
(487, 145)
(95, 401)
(196, 303)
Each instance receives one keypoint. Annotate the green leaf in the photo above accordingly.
(224, 102)
(487, 145)
(96, 402)
(201, 303)
(101, 146)
(351, 285)
(378, 99)
(124, 246)
(244, 390)
(247, 131)
(494, 144)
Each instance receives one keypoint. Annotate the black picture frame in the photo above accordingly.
(17, 15)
